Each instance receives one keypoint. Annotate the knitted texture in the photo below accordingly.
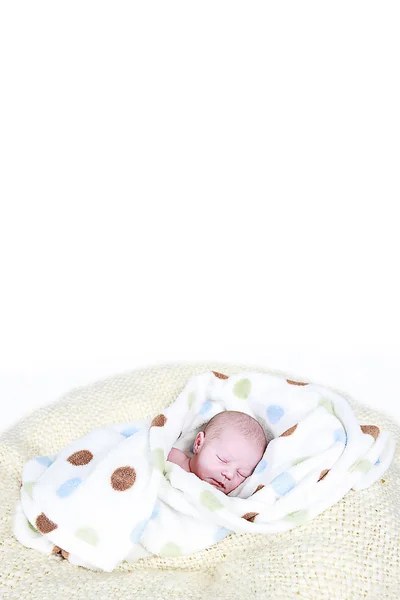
(351, 551)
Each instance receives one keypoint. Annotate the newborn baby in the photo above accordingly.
(226, 452)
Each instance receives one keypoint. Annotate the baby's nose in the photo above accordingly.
(227, 473)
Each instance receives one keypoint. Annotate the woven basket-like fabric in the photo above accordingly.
(351, 551)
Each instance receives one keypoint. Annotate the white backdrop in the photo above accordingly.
(198, 181)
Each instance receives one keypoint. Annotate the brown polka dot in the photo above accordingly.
(295, 382)
(159, 421)
(250, 516)
(82, 457)
(323, 474)
(123, 478)
(371, 429)
(289, 431)
(44, 525)
(220, 375)
(258, 488)
(57, 550)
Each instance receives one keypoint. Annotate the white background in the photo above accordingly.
(189, 181)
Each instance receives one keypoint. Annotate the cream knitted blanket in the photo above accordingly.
(348, 551)
(110, 494)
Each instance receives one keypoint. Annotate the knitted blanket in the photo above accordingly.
(111, 495)
(349, 551)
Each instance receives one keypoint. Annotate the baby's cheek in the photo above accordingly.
(240, 480)
(203, 470)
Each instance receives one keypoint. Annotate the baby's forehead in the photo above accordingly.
(233, 441)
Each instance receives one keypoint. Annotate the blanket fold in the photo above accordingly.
(112, 495)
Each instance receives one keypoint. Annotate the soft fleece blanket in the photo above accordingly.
(112, 495)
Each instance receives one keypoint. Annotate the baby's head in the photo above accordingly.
(228, 450)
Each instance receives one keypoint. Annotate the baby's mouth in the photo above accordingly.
(219, 484)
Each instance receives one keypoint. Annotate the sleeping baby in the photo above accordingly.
(109, 496)
(226, 452)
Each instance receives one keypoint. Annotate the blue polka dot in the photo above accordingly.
(261, 466)
(44, 460)
(221, 533)
(206, 407)
(156, 511)
(340, 436)
(378, 462)
(283, 484)
(137, 532)
(275, 413)
(129, 431)
(68, 487)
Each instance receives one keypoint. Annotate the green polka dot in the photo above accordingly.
(242, 388)
(208, 500)
(32, 528)
(28, 487)
(191, 398)
(363, 465)
(158, 459)
(170, 549)
(298, 517)
(327, 404)
(299, 460)
(88, 535)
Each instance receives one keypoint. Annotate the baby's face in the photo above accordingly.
(226, 461)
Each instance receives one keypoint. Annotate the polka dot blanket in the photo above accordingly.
(347, 552)
(112, 495)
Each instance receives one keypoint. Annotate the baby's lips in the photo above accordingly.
(219, 482)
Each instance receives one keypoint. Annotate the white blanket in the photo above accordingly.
(112, 495)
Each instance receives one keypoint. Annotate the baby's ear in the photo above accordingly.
(198, 442)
